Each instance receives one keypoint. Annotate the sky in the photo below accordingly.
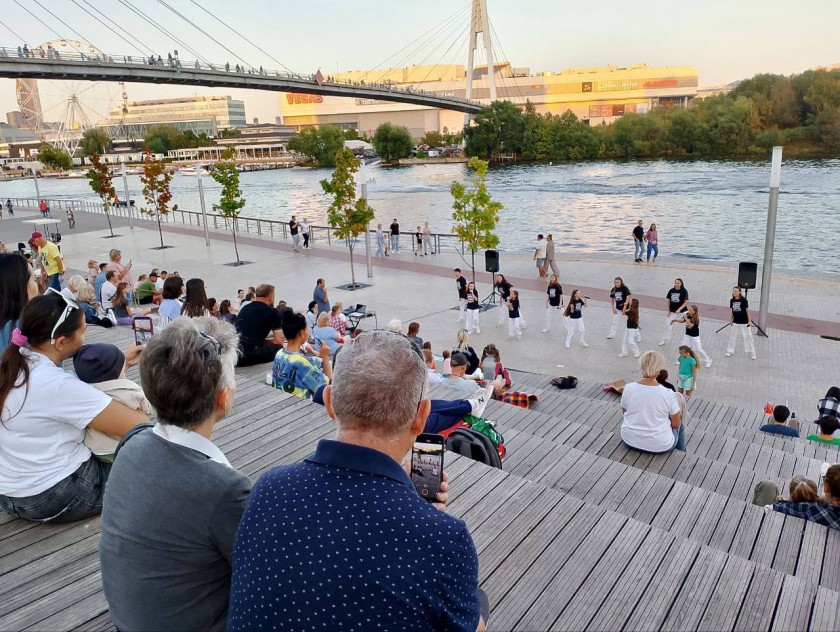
(725, 39)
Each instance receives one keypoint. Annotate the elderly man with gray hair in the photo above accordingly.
(173, 501)
(342, 540)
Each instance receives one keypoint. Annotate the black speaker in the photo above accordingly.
(747, 274)
(491, 261)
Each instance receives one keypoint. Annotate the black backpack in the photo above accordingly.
(570, 381)
(473, 445)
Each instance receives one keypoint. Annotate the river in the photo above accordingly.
(703, 209)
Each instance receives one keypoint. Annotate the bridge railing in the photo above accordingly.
(176, 64)
(269, 228)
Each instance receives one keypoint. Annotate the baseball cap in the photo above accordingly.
(458, 359)
(98, 362)
(35, 235)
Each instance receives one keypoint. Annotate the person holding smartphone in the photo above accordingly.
(368, 521)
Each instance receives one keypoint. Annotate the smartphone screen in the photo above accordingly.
(143, 330)
(427, 465)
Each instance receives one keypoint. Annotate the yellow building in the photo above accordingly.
(594, 94)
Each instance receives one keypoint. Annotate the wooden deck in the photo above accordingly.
(576, 533)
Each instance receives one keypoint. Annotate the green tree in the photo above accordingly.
(318, 144)
(347, 215)
(786, 111)
(433, 139)
(824, 92)
(827, 127)
(497, 129)
(54, 158)
(686, 134)
(101, 182)
(163, 138)
(94, 141)
(231, 201)
(392, 142)
(156, 180)
(475, 212)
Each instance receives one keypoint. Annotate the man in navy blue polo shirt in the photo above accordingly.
(342, 541)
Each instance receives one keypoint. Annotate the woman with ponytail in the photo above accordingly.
(46, 471)
(17, 286)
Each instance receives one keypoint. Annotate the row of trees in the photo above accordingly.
(802, 110)
(159, 140)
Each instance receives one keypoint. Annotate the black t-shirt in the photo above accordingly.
(577, 308)
(639, 233)
(472, 358)
(293, 227)
(632, 323)
(676, 298)
(254, 322)
(461, 282)
(692, 329)
(739, 310)
(395, 229)
(554, 293)
(513, 309)
(504, 289)
(472, 299)
(620, 294)
(419, 237)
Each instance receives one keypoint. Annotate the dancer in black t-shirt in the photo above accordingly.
(740, 322)
(574, 318)
(502, 286)
(553, 301)
(514, 325)
(461, 284)
(631, 334)
(473, 309)
(692, 334)
(677, 304)
(619, 295)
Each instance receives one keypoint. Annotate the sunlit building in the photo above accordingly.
(594, 94)
(196, 114)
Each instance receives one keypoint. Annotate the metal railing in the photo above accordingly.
(269, 228)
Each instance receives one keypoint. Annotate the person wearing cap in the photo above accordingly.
(827, 425)
(103, 367)
(147, 292)
(52, 263)
(458, 382)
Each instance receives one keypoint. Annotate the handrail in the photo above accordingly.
(273, 228)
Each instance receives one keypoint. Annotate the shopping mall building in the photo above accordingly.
(593, 94)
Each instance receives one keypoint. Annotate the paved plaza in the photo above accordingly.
(792, 366)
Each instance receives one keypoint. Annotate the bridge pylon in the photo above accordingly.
(480, 26)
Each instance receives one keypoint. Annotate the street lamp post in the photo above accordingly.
(203, 207)
(770, 237)
(127, 197)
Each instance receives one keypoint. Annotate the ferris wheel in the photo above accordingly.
(60, 111)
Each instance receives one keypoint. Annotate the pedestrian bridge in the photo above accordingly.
(124, 68)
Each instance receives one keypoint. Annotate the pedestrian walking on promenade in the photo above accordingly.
(418, 242)
(574, 318)
(71, 219)
(632, 333)
(677, 305)
(395, 236)
(427, 240)
(293, 229)
(10, 207)
(553, 301)
(652, 243)
(739, 321)
(639, 241)
(619, 294)
(461, 284)
(539, 256)
(473, 309)
(692, 334)
(304, 231)
(380, 242)
(549, 254)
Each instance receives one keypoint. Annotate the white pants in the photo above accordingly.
(462, 305)
(574, 325)
(427, 244)
(476, 375)
(549, 312)
(697, 347)
(472, 320)
(746, 333)
(514, 327)
(631, 342)
(666, 333)
(503, 312)
(614, 324)
(295, 241)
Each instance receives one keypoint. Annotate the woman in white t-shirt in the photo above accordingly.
(652, 420)
(46, 471)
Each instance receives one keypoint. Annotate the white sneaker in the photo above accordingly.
(752, 356)
(709, 364)
(583, 344)
(480, 402)
(728, 354)
(545, 331)
(477, 330)
(622, 355)
(610, 337)
(662, 342)
(677, 363)
(637, 354)
(460, 320)
(519, 337)
(568, 346)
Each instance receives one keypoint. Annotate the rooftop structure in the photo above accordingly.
(225, 111)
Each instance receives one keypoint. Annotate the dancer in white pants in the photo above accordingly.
(619, 295)
(514, 324)
(502, 286)
(631, 333)
(574, 320)
(677, 304)
(461, 284)
(473, 309)
(692, 334)
(740, 322)
(553, 301)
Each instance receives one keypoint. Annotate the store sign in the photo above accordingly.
(302, 99)
(586, 86)
(616, 86)
(369, 102)
(660, 83)
(594, 111)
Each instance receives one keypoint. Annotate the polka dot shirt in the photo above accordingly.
(342, 541)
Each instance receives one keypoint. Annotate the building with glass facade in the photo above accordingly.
(198, 114)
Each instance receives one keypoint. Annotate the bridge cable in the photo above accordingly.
(444, 58)
(201, 30)
(54, 32)
(172, 36)
(501, 48)
(9, 28)
(229, 27)
(81, 37)
(447, 36)
(134, 44)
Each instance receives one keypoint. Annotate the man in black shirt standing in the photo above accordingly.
(740, 322)
(395, 236)
(639, 240)
(260, 329)
(293, 229)
(461, 284)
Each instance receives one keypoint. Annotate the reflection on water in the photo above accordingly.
(710, 210)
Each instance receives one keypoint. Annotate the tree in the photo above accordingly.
(231, 201)
(433, 139)
(475, 212)
(319, 144)
(392, 142)
(156, 180)
(54, 157)
(498, 129)
(348, 216)
(827, 126)
(162, 138)
(102, 183)
(94, 141)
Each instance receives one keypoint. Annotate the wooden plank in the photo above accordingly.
(710, 516)
(759, 604)
(812, 552)
(830, 568)
(795, 604)
(768, 539)
(673, 505)
(826, 615)
(725, 602)
(747, 532)
(730, 518)
(790, 541)
(648, 507)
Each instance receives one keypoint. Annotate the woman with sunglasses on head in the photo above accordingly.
(17, 286)
(46, 471)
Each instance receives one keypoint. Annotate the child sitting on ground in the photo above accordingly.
(447, 363)
(103, 367)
